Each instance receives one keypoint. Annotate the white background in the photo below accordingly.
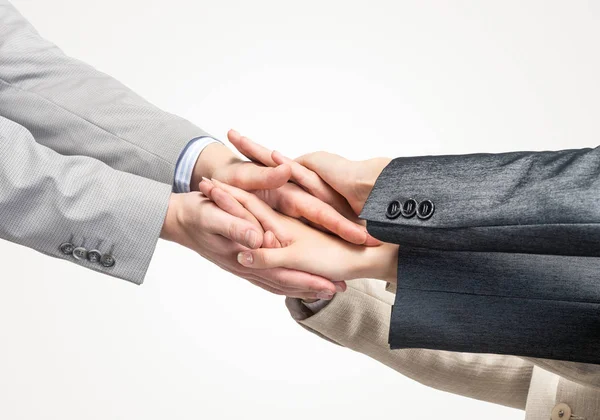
(355, 77)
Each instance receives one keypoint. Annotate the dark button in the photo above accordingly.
(67, 248)
(80, 253)
(393, 210)
(107, 260)
(425, 209)
(409, 208)
(94, 256)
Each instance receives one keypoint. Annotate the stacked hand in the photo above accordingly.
(232, 223)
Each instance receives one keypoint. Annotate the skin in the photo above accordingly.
(327, 212)
(198, 223)
(301, 247)
(343, 184)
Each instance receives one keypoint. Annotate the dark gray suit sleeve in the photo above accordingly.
(526, 202)
(508, 261)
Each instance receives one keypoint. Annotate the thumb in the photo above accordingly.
(264, 258)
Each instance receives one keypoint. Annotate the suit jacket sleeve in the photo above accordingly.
(524, 202)
(359, 319)
(74, 109)
(508, 261)
(47, 200)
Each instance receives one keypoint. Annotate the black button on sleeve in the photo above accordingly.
(425, 209)
(409, 208)
(393, 209)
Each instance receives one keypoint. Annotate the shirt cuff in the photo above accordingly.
(187, 162)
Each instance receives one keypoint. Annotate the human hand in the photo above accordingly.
(331, 213)
(219, 235)
(340, 182)
(295, 245)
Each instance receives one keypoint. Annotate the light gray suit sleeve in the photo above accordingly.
(507, 263)
(47, 199)
(74, 109)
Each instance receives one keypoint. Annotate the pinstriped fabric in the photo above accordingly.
(76, 110)
(54, 110)
(47, 199)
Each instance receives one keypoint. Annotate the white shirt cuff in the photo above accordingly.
(187, 162)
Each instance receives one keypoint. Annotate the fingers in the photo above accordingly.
(234, 228)
(250, 176)
(309, 180)
(289, 293)
(270, 240)
(333, 169)
(251, 150)
(206, 186)
(298, 281)
(320, 213)
(229, 204)
(265, 258)
(265, 214)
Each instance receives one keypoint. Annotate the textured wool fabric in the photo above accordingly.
(83, 159)
(360, 319)
(75, 109)
(47, 199)
(508, 262)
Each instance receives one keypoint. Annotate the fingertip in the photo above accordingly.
(205, 187)
(245, 258)
(233, 135)
(340, 286)
(278, 157)
(253, 239)
(372, 241)
(270, 240)
(284, 171)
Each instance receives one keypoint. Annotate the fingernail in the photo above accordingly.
(245, 258)
(235, 132)
(339, 288)
(251, 239)
(206, 179)
(325, 295)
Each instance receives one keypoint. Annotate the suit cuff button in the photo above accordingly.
(409, 208)
(80, 253)
(107, 261)
(394, 209)
(94, 256)
(67, 248)
(425, 209)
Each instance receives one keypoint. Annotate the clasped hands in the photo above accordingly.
(288, 226)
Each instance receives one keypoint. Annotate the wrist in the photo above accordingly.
(371, 169)
(171, 226)
(382, 263)
(213, 157)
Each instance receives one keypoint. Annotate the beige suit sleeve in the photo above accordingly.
(359, 319)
